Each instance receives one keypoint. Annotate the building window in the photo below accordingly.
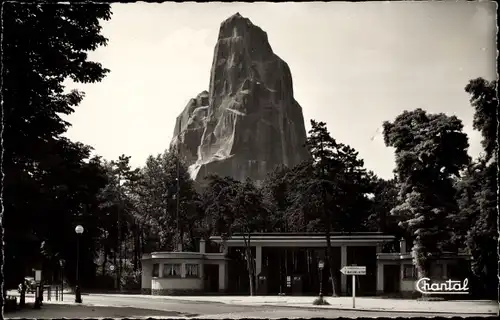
(192, 270)
(408, 271)
(156, 270)
(171, 270)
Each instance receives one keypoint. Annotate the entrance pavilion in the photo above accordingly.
(287, 263)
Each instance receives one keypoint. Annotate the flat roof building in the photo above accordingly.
(285, 263)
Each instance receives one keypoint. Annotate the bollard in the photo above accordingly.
(49, 293)
(57, 293)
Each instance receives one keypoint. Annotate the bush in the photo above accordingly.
(130, 279)
(320, 301)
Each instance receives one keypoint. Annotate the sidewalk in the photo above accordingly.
(74, 311)
(479, 307)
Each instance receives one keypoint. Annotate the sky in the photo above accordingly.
(354, 66)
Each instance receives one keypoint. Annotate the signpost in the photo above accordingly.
(38, 276)
(38, 290)
(354, 271)
(321, 265)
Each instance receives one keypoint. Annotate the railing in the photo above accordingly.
(53, 291)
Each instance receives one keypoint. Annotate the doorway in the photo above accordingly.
(392, 279)
(212, 278)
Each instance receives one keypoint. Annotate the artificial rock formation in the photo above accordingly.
(249, 122)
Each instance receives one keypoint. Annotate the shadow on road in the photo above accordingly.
(51, 311)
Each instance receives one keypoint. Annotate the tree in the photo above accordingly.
(152, 205)
(477, 221)
(430, 149)
(217, 199)
(275, 190)
(42, 46)
(118, 219)
(483, 98)
(233, 207)
(249, 217)
(384, 199)
(163, 179)
(477, 191)
(330, 192)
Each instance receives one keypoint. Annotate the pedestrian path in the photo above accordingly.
(345, 303)
(74, 311)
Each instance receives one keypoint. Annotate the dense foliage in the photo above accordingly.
(47, 178)
(439, 199)
(430, 149)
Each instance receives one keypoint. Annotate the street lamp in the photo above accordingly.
(321, 265)
(62, 263)
(78, 295)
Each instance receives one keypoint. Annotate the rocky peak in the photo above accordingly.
(248, 122)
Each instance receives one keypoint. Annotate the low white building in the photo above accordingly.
(287, 263)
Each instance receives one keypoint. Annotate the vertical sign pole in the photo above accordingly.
(353, 291)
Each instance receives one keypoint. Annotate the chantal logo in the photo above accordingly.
(448, 287)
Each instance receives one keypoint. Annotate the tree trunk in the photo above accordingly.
(249, 258)
(193, 240)
(116, 276)
(329, 255)
(250, 270)
(136, 247)
(422, 269)
(181, 239)
(106, 252)
(118, 264)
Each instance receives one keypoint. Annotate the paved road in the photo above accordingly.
(134, 307)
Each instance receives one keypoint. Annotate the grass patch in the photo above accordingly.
(320, 301)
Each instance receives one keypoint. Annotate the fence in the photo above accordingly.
(53, 291)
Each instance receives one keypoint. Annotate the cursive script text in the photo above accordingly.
(447, 287)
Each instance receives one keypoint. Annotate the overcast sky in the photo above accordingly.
(354, 65)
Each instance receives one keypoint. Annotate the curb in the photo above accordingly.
(323, 307)
(379, 310)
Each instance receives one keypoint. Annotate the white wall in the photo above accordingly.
(407, 285)
(181, 283)
(177, 283)
(146, 274)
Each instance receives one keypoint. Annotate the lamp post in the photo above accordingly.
(78, 295)
(62, 263)
(321, 265)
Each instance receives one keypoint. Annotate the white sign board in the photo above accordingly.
(354, 270)
(111, 267)
(38, 275)
(321, 264)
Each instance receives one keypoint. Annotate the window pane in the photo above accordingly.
(408, 271)
(192, 270)
(176, 270)
(171, 270)
(156, 270)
